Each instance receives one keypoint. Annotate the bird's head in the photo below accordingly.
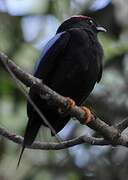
(79, 21)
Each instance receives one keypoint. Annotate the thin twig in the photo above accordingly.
(122, 125)
(54, 146)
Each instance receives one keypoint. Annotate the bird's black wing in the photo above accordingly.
(43, 70)
(48, 59)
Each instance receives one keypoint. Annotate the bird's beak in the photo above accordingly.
(101, 29)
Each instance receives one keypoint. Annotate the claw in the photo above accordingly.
(70, 103)
(88, 115)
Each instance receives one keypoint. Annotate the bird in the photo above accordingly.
(71, 64)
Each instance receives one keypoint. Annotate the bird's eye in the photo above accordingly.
(91, 22)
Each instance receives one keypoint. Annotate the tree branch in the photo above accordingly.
(53, 146)
(111, 134)
(122, 125)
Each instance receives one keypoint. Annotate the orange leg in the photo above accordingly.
(70, 103)
(87, 114)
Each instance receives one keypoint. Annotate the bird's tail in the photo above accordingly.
(29, 136)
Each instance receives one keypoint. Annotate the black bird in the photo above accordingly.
(71, 63)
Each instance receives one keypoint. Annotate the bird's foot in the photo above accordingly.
(87, 115)
(70, 103)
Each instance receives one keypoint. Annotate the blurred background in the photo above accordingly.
(25, 27)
